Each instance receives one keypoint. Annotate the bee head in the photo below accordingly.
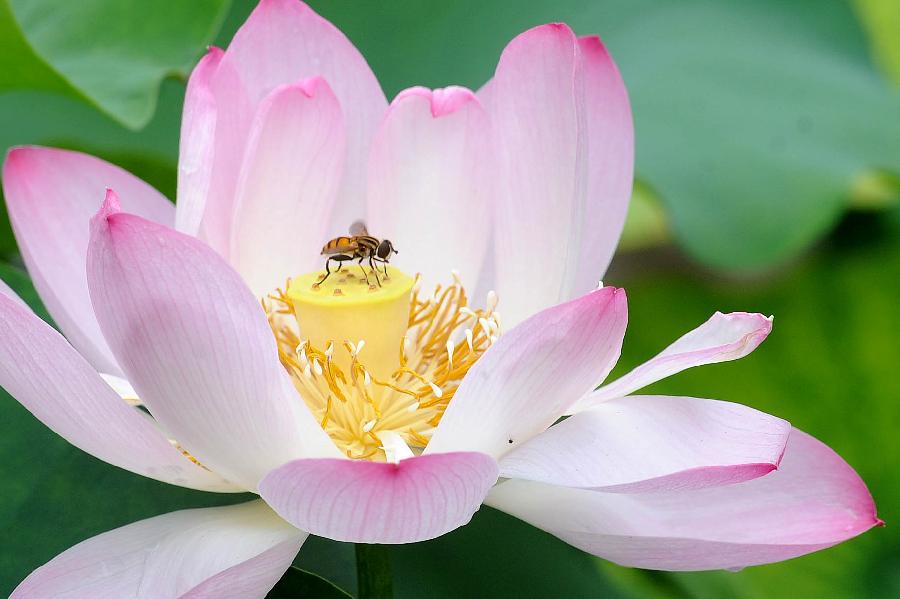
(385, 249)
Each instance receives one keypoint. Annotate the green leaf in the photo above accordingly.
(111, 53)
(299, 583)
(881, 19)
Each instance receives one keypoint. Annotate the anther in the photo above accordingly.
(492, 300)
(436, 390)
(450, 348)
(368, 426)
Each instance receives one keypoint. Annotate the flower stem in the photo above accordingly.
(373, 571)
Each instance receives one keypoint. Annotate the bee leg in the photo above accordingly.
(374, 270)
(327, 271)
(362, 268)
(383, 265)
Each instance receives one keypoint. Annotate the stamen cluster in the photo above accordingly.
(444, 338)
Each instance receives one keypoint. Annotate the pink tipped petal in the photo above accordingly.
(653, 443)
(722, 338)
(288, 185)
(238, 551)
(813, 501)
(533, 373)
(285, 40)
(371, 502)
(196, 345)
(428, 178)
(51, 195)
(540, 144)
(234, 116)
(610, 161)
(47, 376)
(197, 147)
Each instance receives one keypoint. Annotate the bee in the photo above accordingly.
(359, 246)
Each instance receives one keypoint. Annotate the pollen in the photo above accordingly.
(378, 367)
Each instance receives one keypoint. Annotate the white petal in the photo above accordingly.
(237, 552)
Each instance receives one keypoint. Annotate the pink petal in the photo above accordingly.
(538, 122)
(239, 551)
(428, 183)
(47, 376)
(284, 41)
(533, 373)
(197, 147)
(8, 292)
(371, 502)
(610, 161)
(234, 117)
(722, 338)
(288, 184)
(813, 501)
(653, 443)
(51, 195)
(197, 347)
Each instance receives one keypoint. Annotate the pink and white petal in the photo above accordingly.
(8, 292)
(190, 553)
(610, 162)
(533, 373)
(283, 41)
(288, 184)
(538, 126)
(51, 195)
(197, 347)
(197, 146)
(722, 338)
(416, 499)
(428, 183)
(47, 376)
(234, 116)
(813, 501)
(653, 443)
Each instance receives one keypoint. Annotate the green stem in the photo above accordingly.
(373, 572)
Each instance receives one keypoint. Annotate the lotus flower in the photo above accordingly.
(176, 312)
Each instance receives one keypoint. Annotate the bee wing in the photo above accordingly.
(358, 228)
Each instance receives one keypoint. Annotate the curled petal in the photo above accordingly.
(284, 41)
(51, 195)
(197, 347)
(533, 373)
(196, 151)
(539, 168)
(288, 184)
(653, 443)
(813, 501)
(428, 183)
(722, 338)
(239, 551)
(609, 133)
(416, 499)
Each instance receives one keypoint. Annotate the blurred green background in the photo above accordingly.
(768, 161)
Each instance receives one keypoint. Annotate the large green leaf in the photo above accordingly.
(298, 583)
(112, 53)
(882, 21)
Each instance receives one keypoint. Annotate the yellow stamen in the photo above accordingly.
(377, 363)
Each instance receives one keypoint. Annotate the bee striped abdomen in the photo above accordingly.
(339, 245)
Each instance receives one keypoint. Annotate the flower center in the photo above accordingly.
(378, 365)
